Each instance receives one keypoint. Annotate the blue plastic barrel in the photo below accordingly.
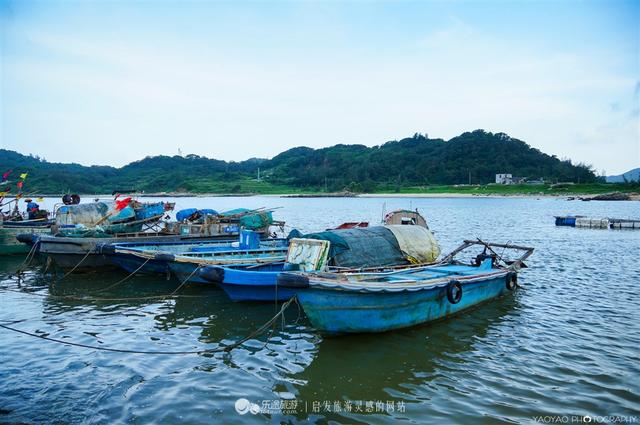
(249, 239)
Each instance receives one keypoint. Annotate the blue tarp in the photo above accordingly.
(149, 210)
(188, 212)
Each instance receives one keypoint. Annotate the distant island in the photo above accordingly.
(464, 164)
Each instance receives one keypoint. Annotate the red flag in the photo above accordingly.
(120, 205)
(6, 174)
(19, 184)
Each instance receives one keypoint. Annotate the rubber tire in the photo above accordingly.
(164, 256)
(511, 281)
(293, 280)
(454, 292)
(212, 274)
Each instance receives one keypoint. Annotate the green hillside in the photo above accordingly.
(399, 166)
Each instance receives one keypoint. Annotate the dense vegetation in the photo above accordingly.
(410, 163)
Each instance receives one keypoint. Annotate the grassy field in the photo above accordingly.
(521, 189)
(263, 187)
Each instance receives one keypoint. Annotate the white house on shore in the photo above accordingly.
(504, 179)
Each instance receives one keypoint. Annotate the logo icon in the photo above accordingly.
(244, 406)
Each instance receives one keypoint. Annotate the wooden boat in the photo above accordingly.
(187, 266)
(9, 230)
(81, 251)
(371, 248)
(338, 303)
(155, 257)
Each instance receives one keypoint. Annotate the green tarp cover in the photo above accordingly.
(251, 221)
(362, 247)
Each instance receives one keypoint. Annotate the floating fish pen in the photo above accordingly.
(592, 223)
(624, 224)
(597, 223)
(569, 220)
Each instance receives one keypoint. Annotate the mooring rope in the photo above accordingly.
(77, 265)
(30, 256)
(123, 280)
(226, 348)
(89, 298)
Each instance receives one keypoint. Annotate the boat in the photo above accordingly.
(349, 249)
(405, 217)
(83, 244)
(155, 257)
(364, 302)
(103, 219)
(9, 230)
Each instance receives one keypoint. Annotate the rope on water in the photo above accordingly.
(30, 256)
(88, 298)
(123, 280)
(77, 265)
(226, 348)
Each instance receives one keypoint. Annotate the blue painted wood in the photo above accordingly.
(131, 264)
(338, 309)
(256, 284)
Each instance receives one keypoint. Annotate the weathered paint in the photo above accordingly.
(10, 245)
(131, 264)
(255, 285)
(335, 311)
(183, 271)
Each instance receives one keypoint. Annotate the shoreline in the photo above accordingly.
(575, 196)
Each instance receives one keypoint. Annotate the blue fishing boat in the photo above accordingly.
(348, 249)
(187, 267)
(338, 303)
(155, 257)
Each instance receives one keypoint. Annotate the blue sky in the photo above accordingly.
(109, 82)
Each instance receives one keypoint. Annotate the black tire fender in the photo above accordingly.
(293, 280)
(164, 256)
(454, 292)
(212, 274)
(512, 280)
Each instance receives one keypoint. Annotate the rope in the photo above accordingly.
(30, 256)
(185, 281)
(85, 298)
(123, 280)
(77, 265)
(219, 349)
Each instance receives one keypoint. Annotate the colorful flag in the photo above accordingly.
(24, 175)
(120, 205)
(19, 184)
(3, 194)
(6, 174)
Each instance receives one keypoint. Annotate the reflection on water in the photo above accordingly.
(566, 344)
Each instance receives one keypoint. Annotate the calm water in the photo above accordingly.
(566, 344)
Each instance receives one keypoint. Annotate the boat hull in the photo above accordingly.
(338, 311)
(258, 285)
(134, 264)
(186, 272)
(85, 253)
(9, 244)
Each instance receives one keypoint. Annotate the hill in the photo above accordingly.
(410, 162)
(629, 176)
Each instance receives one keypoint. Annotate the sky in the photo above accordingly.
(110, 82)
